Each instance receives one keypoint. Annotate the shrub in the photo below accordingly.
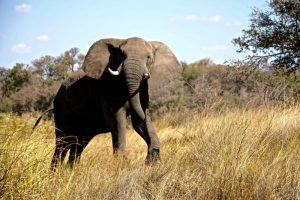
(205, 86)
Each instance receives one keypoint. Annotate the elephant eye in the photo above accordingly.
(149, 60)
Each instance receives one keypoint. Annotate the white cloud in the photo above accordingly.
(21, 48)
(207, 19)
(233, 24)
(211, 19)
(192, 18)
(23, 8)
(42, 38)
(217, 47)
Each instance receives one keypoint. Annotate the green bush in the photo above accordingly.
(191, 72)
(5, 105)
(205, 86)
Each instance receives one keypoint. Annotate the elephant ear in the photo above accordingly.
(165, 68)
(102, 54)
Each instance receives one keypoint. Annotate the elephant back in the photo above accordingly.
(73, 78)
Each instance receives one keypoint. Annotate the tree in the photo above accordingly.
(73, 59)
(25, 88)
(57, 68)
(2, 71)
(274, 34)
(47, 68)
(2, 75)
(14, 79)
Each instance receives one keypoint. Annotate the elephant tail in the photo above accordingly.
(39, 119)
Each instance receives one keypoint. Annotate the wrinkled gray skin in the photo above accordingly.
(113, 84)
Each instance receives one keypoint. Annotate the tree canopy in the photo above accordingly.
(26, 88)
(13, 80)
(274, 34)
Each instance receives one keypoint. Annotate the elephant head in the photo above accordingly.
(135, 59)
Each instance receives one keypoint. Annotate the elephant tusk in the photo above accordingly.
(146, 75)
(114, 73)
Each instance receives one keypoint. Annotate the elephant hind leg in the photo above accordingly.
(75, 153)
(61, 149)
(62, 146)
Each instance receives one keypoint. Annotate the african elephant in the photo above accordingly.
(113, 84)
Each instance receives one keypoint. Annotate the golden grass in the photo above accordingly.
(242, 154)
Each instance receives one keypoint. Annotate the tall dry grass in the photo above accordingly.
(241, 154)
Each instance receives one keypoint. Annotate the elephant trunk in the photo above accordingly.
(133, 80)
(136, 106)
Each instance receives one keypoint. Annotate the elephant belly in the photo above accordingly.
(80, 116)
(87, 108)
(82, 123)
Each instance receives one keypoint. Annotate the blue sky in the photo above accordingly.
(193, 29)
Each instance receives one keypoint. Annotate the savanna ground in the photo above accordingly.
(238, 154)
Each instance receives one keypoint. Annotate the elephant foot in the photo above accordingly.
(54, 167)
(152, 157)
(120, 155)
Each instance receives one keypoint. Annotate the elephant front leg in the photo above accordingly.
(146, 130)
(118, 126)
